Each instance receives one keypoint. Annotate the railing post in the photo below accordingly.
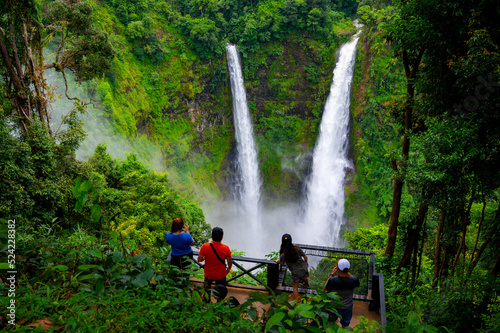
(273, 275)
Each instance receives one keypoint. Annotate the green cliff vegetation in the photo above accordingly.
(424, 193)
(169, 81)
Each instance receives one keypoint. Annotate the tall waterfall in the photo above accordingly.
(324, 214)
(248, 185)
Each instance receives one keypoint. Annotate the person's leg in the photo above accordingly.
(306, 282)
(176, 261)
(220, 292)
(186, 260)
(346, 315)
(333, 317)
(207, 286)
(295, 290)
(221, 281)
(296, 280)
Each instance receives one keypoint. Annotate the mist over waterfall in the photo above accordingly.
(324, 210)
(248, 184)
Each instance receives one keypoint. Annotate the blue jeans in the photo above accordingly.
(346, 316)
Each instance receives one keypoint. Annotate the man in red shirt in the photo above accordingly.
(215, 254)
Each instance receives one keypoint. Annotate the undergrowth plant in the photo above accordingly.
(99, 284)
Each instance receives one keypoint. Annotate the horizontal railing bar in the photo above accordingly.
(246, 272)
(334, 249)
(235, 259)
(247, 259)
(313, 291)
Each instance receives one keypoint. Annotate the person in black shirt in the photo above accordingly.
(344, 285)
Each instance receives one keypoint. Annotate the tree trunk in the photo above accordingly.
(491, 236)
(393, 225)
(414, 263)
(443, 264)
(480, 252)
(496, 267)
(437, 253)
(410, 73)
(23, 69)
(35, 70)
(414, 236)
(478, 233)
(465, 219)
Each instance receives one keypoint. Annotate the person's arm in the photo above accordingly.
(334, 271)
(324, 287)
(281, 260)
(326, 283)
(186, 230)
(201, 256)
(229, 264)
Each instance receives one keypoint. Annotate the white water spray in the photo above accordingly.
(249, 183)
(324, 214)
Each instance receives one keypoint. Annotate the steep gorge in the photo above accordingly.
(183, 104)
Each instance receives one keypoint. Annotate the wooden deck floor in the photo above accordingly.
(360, 307)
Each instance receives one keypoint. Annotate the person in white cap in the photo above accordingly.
(344, 285)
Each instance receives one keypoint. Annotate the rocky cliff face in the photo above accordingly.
(161, 87)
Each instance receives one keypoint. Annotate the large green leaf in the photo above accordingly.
(142, 279)
(117, 256)
(276, 318)
(95, 253)
(85, 267)
(260, 297)
(62, 268)
(139, 258)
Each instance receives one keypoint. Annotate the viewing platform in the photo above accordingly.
(369, 298)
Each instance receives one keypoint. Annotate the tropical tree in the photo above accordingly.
(24, 33)
(410, 34)
(22, 64)
(450, 112)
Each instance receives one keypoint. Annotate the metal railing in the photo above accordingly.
(375, 291)
(272, 270)
(362, 265)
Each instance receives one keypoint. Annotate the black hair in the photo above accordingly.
(217, 234)
(291, 254)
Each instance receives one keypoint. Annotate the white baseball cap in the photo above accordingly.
(343, 264)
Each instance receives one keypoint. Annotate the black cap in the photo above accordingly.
(286, 238)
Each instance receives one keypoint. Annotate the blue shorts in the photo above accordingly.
(345, 314)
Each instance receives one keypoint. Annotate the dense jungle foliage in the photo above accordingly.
(89, 234)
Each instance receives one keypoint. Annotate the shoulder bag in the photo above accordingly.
(217, 255)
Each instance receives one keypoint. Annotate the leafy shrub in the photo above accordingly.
(68, 284)
(140, 203)
(460, 307)
(368, 239)
(313, 73)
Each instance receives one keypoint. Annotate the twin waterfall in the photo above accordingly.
(324, 213)
(320, 223)
(247, 189)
